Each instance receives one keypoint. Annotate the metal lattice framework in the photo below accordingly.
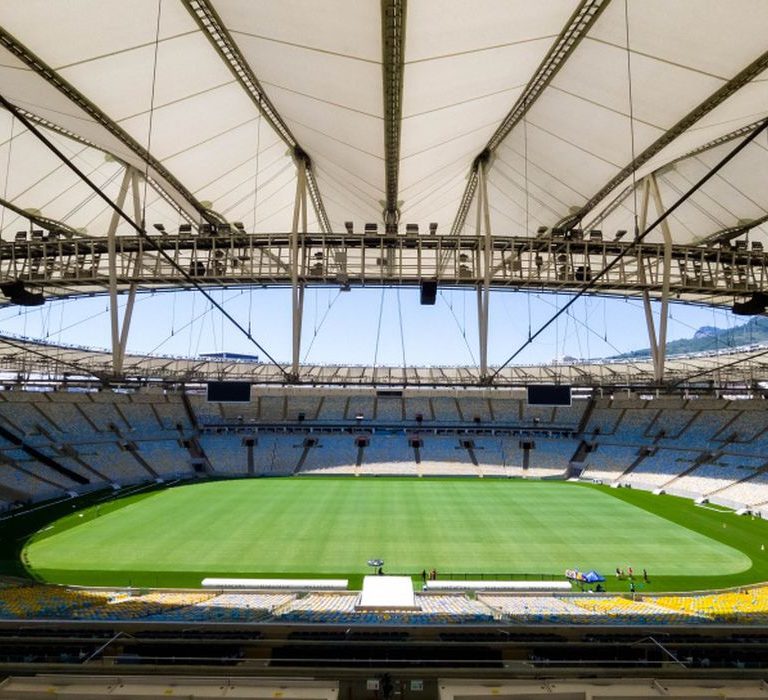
(227, 117)
(33, 362)
(64, 267)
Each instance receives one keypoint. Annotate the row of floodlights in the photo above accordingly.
(38, 235)
(208, 229)
(213, 229)
(576, 234)
(596, 235)
(371, 229)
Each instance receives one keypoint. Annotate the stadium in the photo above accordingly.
(319, 333)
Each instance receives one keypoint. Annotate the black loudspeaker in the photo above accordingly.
(752, 307)
(428, 292)
(19, 294)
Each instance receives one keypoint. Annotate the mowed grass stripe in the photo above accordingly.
(334, 525)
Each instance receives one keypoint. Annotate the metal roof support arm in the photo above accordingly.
(728, 234)
(213, 28)
(185, 211)
(642, 235)
(714, 143)
(132, 223)
(752, 71)
(37, 219)
(172, 185)
(577, 27)
(392, 65)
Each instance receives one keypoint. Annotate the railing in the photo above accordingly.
(338, 259)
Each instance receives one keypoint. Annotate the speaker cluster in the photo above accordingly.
(754, 306)
(19, 294)
(428, 292)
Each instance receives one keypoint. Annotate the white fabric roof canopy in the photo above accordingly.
(320, 64)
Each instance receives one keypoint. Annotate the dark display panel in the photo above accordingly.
(549, 395)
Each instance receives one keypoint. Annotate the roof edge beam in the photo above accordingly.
(577, 27)
(728, 234)
(50, 76)
(393, 13)
(708, 146)
(40, 220)
(138, 227)
(745, 76)
(173, 199)
(217, 34)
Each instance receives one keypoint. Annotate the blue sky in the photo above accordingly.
(363, 326)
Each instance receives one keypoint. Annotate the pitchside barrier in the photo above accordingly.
(454, 576)
(519, 586)
(314, 584)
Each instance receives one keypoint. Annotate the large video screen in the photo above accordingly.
(229, 392)
(549, 395)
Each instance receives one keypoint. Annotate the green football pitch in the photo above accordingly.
(317, 526)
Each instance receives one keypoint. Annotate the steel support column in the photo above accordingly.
(642, 222)
(297, 286)
(112, 255)
(484, 289)
(120, 334)
(128, 315)
(657, 339)
(661, 341)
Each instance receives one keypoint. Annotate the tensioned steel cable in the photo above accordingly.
(139, 229)
(719, 368)
(631, 114)
(151, 112)
(681, 200)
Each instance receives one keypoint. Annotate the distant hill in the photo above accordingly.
(709, 339)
